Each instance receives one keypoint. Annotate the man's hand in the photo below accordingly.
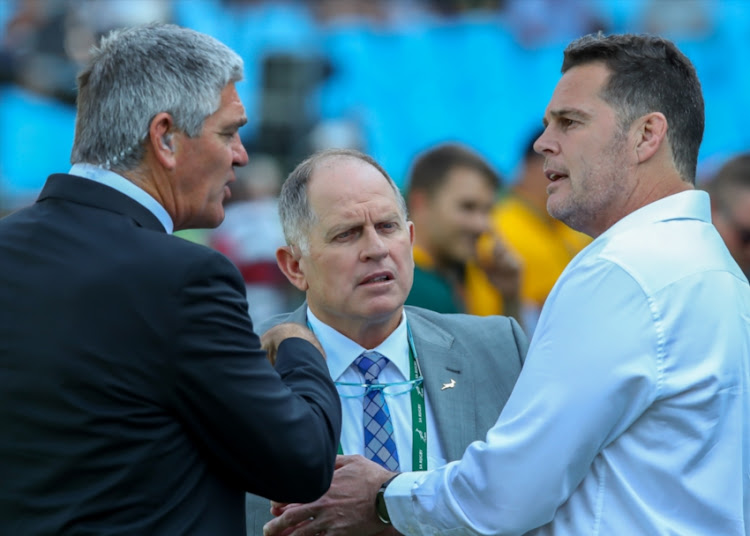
(272, 338)
(503, 269)
(502, 266)
(347, 508)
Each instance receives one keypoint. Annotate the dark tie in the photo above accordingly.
(380, 445)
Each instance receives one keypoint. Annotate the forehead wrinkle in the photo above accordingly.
(357, 216)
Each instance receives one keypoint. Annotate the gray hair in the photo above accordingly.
(649, 74)
(297, 217)
(138, 72)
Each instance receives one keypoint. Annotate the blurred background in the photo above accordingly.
(390, 77)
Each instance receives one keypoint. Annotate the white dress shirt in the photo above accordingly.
(125, 187)
(340, 355)
(631, 415)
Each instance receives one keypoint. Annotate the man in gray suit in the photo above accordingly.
(350, 250)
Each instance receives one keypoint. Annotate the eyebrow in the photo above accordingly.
(353, 224)
(340, 228)
(237, 124)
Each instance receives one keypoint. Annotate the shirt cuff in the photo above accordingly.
(398, 500)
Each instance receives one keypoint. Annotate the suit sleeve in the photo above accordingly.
(273, 432)
(521, 340)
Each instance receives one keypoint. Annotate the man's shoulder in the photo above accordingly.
(462, 320)
(459, 324)
(481, 333)
(174, 250)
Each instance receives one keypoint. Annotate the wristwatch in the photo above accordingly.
(380, 507)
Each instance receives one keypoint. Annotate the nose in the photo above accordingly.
(239, 153)
(373, 245)
(545, 145)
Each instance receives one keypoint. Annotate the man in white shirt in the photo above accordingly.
(350, 251)
(632, 412)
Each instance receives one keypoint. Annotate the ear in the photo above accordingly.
(651, 134)
(161, 141)
(289, 263)
(410, 225)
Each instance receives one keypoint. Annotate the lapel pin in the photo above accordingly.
(449, 385)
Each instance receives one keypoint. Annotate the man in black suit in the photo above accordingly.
(135, 397)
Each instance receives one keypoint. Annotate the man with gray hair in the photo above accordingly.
(135, 397)
(436, 382)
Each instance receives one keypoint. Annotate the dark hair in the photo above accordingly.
(733, 175)
(649, 74)
(431, 168)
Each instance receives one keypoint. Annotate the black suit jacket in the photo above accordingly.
(134, 396)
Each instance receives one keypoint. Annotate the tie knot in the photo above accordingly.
(371, 363)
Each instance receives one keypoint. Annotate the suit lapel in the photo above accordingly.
(448, 392)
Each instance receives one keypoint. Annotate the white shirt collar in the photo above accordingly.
(341, 351)
(126, 187)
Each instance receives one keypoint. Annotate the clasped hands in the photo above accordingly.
(347, 508)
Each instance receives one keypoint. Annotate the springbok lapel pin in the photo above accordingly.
(450, 385)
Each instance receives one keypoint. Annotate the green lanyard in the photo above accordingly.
(418, 413)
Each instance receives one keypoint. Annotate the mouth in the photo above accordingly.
(378, 277)
(554, 176)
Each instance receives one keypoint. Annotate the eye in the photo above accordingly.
(388, 226)
(566, 122)
(341, 237)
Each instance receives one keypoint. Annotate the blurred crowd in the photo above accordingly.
(393, 78)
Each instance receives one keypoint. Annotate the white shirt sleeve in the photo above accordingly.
(592, 369)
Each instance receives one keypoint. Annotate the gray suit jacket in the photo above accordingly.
(483, 354)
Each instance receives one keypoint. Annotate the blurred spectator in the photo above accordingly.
(730, 207)
(251, 233)
(34, 53)
(329, 11)
(46, 42)
(670, 17)
(541, 22)
(543, 244)
(454, 8)
(451, 192)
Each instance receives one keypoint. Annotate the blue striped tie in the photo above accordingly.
(380, 445)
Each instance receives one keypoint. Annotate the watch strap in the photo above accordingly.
(380, 507)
